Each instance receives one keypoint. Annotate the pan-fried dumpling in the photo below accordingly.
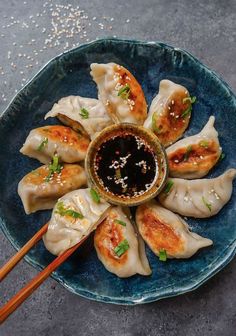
(120, 92)
(118, 247)
(43, 142)
(41, 188)
(198, 198)
(166, 232)
(85, 115)
(170, 112)
(194, 156)
(74, 217)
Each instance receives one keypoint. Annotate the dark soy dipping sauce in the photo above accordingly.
(125, 165)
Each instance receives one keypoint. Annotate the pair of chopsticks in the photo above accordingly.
(26, 291)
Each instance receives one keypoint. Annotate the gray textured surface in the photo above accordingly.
(205, 28)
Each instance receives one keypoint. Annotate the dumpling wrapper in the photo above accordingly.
(38, 194)
(44, 142)
(65, 228)
(194, 156)
(109, 234)
(68, 111)
(198, 198)
(122, 105)
(168, 115)
(163, 230)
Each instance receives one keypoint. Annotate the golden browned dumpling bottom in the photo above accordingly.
(170, 126)
(158, 234)
(111, 233)
(136, 95)
(186, 160)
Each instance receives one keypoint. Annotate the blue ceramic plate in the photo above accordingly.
(68, 74)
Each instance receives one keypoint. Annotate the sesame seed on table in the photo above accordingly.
(31, 33)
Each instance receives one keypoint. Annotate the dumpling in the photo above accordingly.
(198, 198)
(194, 156)
(120, 92)
(118, 247)
(170, 112)
(166, 232)
(74, 217)
(43, 142)
(41, 188)
(85, 115)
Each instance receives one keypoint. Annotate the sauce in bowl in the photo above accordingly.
(126, 164)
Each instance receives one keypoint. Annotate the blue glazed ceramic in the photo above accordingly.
(68, 74)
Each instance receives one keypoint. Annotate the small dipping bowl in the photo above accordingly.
(126, 164)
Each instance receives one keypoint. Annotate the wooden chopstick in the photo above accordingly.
(26, 291)
(22, 252)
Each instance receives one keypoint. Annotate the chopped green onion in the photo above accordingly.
(95, 196)
(204, 143)
(208, 205)
(155, 128)
(168, 186)
(42, 145)
(192, 100)
(118, 221)
(162, 255)
(54, 167)
(222, 156)
(61, 210)
(121, 248)
(187, 153)
(124, 92)
(187, 112)
(74, 214)
(84, 113)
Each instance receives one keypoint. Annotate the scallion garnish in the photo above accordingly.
(54, 167)
(208, 205)
(121, 248)
(192, 100)
(124, 92)
(162, 255)
(187, 153)
(168, 186)
(118, 221)
(204, 143)
(42, 145)
(84, 113)
(222, 156)
(155, 128)
(61, 210)
(95, 196)
(187, 112)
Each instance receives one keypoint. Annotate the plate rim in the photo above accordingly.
(204, 275)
